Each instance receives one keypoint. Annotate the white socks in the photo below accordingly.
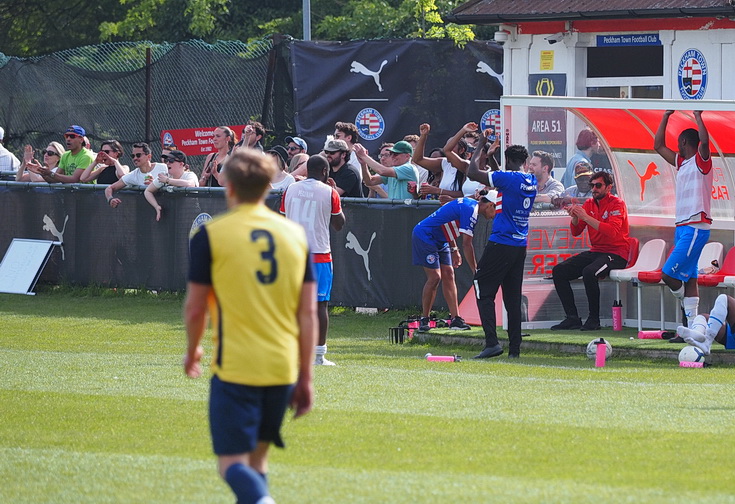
(321, 350)
(697, 334)
(691, 308)
(678, 293)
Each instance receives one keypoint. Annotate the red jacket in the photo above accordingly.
(612, 237)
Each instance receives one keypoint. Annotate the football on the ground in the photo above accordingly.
(592, 348)
(691, 354)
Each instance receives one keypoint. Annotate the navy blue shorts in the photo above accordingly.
(240, 415)
(428, 255)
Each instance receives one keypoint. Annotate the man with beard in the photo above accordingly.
(344, 177)
(606, 218)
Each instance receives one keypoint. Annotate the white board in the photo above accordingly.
(23, 263)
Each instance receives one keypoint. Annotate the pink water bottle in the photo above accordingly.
(601, 353)
(617, 316)
(651, 334)
(443, 358)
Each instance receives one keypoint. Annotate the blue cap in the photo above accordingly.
(77, 130)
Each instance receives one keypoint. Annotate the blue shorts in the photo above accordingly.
(428, 255)
(240, 415)
(324, 275)
(729, 337)
(683, 263)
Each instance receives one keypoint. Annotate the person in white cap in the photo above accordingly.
(435, 249)
(8, 161)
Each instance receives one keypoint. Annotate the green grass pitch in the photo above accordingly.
(94, 408)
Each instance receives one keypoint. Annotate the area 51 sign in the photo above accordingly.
(547, 131)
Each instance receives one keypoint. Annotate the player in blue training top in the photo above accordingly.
(505, 253)
(433, 239)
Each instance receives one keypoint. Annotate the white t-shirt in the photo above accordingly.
(187, 175)
(137, 178)
(283, 184)
(423, 174)
(8, 161)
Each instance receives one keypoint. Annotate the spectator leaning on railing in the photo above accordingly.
(178, 176)
(143, 175)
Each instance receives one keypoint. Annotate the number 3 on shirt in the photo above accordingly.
(267, 255)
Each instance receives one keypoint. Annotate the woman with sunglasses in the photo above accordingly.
(106, 167)
(224, 140)
(28, 171)
(178, 176)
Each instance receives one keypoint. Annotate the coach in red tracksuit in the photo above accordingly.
(606, 217)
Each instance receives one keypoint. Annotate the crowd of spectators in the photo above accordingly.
(413, 167)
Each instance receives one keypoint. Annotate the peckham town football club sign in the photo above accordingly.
(370, 124)
(692, 75)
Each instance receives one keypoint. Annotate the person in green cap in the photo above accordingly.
(395, 177)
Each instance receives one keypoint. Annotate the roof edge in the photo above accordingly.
(454, 17)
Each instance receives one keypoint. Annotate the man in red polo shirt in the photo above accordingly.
(606, 218)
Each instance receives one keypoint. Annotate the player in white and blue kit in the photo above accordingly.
(718, 325)
(435, 248)
(505, 253)
(693, 217)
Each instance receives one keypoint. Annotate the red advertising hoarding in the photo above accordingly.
(194, 141)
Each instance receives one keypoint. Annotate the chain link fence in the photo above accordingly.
(105, 89)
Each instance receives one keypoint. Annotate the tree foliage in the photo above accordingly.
(52, 25)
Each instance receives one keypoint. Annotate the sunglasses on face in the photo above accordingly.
(107, 151)
(331, 153)
(293, 148)
(597, 185)
(50, 153)
(71, 136)
(138, 154)
(170, 160)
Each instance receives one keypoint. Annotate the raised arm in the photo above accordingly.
(659, 141)
(458, 162)
(368, 178)
(474, 172)
(704, 151)
(363, 157)
(95, 168)
(431, 164)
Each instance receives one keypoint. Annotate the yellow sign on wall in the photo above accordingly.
(547, 60)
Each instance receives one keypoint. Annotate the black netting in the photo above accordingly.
(103, 89)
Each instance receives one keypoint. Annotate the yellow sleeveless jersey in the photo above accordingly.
(256, 262)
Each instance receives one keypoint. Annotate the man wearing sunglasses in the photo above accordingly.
(605, 217)
(144, 174)
(74, 161)
(295, 145)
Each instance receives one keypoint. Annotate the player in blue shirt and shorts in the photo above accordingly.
(504, 257)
